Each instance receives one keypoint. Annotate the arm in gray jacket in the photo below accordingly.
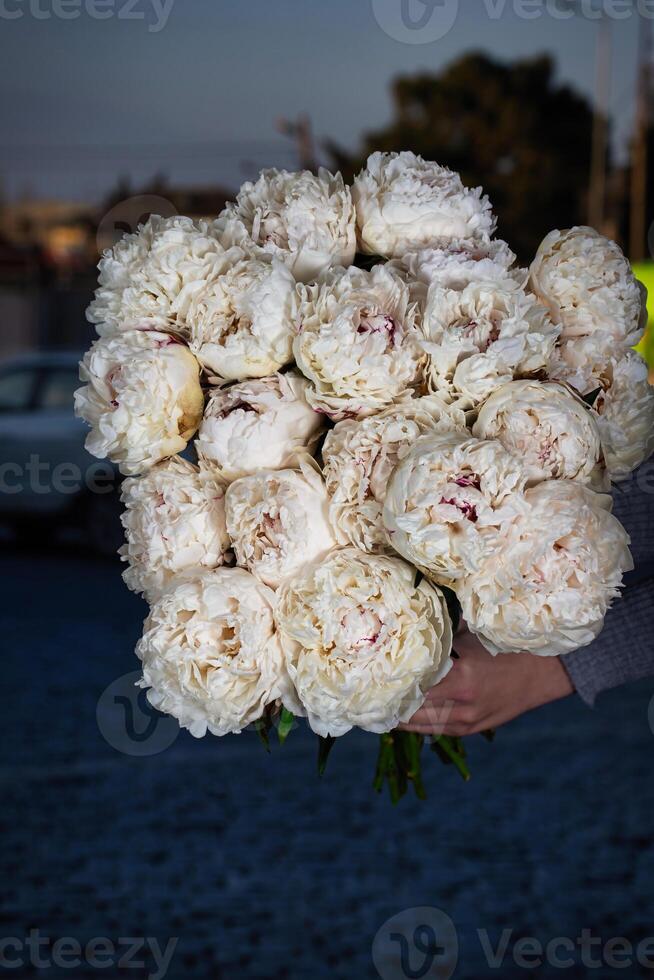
(624, 650)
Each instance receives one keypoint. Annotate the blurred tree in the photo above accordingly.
(510, 127)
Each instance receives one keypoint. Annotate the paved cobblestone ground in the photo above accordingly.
(260, 869)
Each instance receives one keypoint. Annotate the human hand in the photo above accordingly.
(482, 691)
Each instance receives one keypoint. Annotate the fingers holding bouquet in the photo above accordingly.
(483, 691)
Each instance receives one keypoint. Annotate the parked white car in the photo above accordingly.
(46, 476)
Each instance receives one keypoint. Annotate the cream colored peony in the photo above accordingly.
(588, 286)
(449, 502)
(457, 263)
(548, 427)
(211, 655)
(548, 586)
(357, 341)
(625, 415)
(278, 521)
(147, 277)
(483, 336)
(265, 424)
(143, 398)
(622, 399)
(359, 458)
(241, 324)
(363, 644)
(306, 220)
(174, 522)
(404, 203)
(584, 363)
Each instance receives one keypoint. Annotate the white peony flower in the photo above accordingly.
(404, 202)
(357, 341)
(483, 336)
(278, 521)
(548, 427)
(143, 398)
(623, 401)
(457, 263)
(362, 643)
(242, 323)
(211, 655)
(359, 458)
(588, 286)
(304, 219)
(265, 424)
(553, 576)
(625, 414)
(146, 278)
(174, 522)
(449, 501)
(583, 363)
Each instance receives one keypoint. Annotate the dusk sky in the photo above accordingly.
(87, 99)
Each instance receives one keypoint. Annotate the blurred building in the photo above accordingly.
(49, 252)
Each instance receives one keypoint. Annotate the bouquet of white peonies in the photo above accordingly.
(388, 425)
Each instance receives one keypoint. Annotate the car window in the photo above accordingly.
(16, 389)
(57, 388)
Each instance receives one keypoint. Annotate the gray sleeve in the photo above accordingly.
(624, 650)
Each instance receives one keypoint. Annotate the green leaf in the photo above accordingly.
(262, 726)
(324, 748)
(286, 722)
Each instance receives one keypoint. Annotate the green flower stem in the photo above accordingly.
(454, 752)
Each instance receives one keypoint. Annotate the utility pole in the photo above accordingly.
(638, 190)
(300, 131)
(597, 189)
